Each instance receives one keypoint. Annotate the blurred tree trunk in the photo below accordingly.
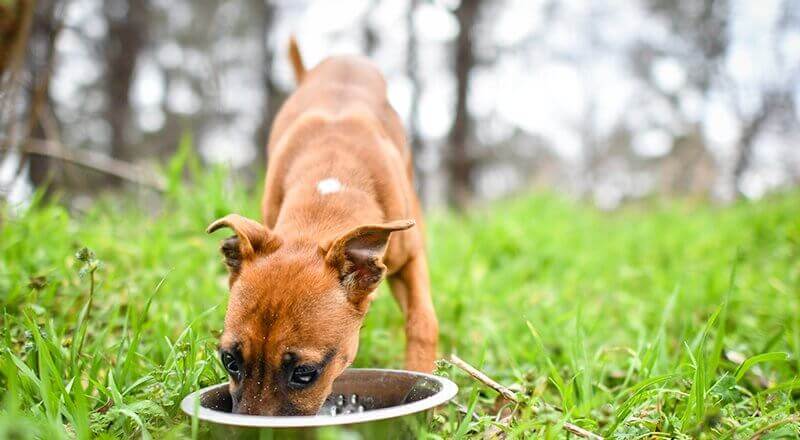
(412, 71)
(370, 36)
(744, 150)
(127, 31)
(772, 103)
(16, 20)
(41, 55)
(460, 164)
(273, 96)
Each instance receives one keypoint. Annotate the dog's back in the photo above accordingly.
(340, 87)
(339, 118)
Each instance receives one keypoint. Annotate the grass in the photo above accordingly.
(668, 318)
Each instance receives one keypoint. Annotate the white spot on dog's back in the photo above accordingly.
(329, 186)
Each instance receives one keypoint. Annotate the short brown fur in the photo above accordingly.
(301, 282)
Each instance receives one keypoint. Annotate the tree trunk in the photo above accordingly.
(370, 36)
(412, 71)
(744, 149)
(273, 96)
(15, 21)
(41, 55)
(127, 28)
(459, 163)
(772, 103)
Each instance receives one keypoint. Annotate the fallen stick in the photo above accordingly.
(460, 408)
(477, 374)
(758, 434)
(580, 432)
(93, 160)
(508, 394)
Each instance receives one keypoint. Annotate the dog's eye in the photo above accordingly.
(230, 363)
(303, 376)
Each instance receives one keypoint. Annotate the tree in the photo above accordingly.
(15, 21)
(15, 27)
(41, 56)
(127, 31)
(273, 95)
(776, 100)
(704, 29)
(460, 164)
(772, 103)
(412, 71)
(371, 38)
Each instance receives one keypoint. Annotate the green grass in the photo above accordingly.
(622, 323)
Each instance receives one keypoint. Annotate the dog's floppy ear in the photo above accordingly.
(358, 257)
(251, 238)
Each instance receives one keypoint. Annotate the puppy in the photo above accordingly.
(338, 213)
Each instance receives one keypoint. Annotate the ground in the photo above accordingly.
(670, 317)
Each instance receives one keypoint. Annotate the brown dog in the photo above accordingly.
(339, 183)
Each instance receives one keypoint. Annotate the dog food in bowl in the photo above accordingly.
(364, 403)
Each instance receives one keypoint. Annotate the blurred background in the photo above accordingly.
(607, 100)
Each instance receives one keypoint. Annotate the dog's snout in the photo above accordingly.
(251, 410)
(282, 410)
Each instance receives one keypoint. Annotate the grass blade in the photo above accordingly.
(758, 359)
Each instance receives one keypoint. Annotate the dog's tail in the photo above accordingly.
(297, 60)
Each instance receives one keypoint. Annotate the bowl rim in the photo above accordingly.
(191, 406)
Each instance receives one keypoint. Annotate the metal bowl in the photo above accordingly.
(387, 404)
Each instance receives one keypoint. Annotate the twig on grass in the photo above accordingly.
(95, 161)
(581, 432)
(508, 394)
(477, 374)
(758, 434)
(463, 410)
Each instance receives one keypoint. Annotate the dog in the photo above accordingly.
(338, 211)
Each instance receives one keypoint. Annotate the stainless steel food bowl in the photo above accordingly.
(364, 403)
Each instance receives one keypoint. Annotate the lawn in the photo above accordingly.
(671, 317)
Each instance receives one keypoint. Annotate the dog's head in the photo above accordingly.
(294, 312)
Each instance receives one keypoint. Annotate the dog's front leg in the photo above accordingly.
(411, 288)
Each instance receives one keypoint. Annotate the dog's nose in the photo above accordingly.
(262, 408)
(244, 408)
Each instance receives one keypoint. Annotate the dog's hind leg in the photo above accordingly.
(411, 288)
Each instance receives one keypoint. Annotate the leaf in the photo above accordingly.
(725, 390)
(138, 420)
(635, 395)
(719, 338)
(178, 164)
(463, 427)
(758, 359)
(24, 369)
(785, 386)
(555, 377)
(697, 395)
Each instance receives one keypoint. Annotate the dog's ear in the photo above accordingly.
(251, 238)
(358, 257)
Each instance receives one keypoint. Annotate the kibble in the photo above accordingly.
(342, 405)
